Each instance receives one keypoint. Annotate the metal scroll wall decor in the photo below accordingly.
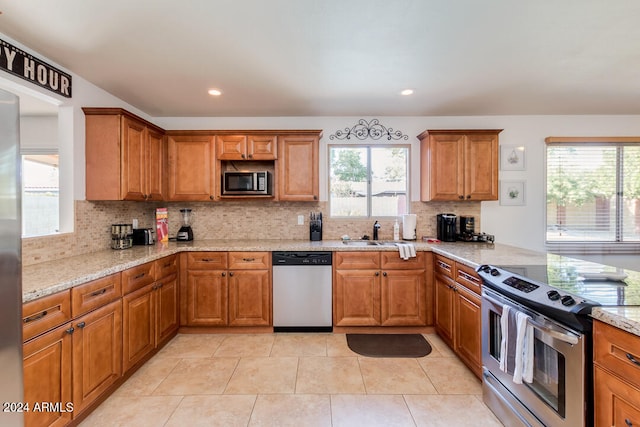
(369, 130)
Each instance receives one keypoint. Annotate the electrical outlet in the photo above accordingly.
(300, 219)
(134, 223)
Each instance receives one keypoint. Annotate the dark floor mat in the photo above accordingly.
(389, 345)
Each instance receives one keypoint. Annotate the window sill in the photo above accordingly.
(599, 248)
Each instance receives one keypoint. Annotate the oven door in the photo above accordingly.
(557, 395)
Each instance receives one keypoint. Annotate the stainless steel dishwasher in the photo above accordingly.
(302, 300)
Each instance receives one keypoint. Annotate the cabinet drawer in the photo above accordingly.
(207, 260)
(392, 261)
(616, 402)
(166, 266)
(45, 313)
(467, 277)
(137, 277)
(618, 351)
(94, 294)
(356, 260)
(442, 265)
(249, 260)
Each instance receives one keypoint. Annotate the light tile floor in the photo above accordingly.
(293, 380)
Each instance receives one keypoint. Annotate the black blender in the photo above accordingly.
(185, 233)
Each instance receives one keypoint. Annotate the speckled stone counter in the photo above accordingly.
(625, 318)
(50, 277)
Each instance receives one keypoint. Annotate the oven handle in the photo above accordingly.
(567, 338)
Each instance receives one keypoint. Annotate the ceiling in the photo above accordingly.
(344, 57)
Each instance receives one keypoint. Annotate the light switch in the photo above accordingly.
(300, 219)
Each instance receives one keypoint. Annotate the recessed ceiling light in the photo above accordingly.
(215, 92)
(407, 92)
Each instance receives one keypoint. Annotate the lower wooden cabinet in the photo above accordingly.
(150, 317)
(393, 294)
(47, 377)
(616, 355)
(97, 353)
(228, 289)
(457, 310)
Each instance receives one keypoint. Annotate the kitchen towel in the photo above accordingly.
(406, 250)
(516, 346)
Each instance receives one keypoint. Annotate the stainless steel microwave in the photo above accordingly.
(246, 183)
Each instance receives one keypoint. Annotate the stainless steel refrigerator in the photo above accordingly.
(11, 390)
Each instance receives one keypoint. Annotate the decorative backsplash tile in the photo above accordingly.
(245, 219)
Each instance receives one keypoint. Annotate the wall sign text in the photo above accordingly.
(26, 66)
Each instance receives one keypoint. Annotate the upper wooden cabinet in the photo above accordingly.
(297, 171)
(246, 147)
(191, 168)
(125, 156)
(459, 164)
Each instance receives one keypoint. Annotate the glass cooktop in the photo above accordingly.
(606, 285)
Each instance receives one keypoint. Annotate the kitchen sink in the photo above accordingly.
(367, 243)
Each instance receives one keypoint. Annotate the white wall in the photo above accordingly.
(522, 226)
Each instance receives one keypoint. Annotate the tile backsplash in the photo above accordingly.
(246, 219)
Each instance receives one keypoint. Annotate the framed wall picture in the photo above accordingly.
(512, 193)
(512, 158)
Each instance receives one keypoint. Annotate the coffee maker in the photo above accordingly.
(446, 227)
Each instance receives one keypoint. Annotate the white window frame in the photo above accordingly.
(369, 178)
(618, 246)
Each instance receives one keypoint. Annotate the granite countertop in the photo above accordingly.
(50, 277)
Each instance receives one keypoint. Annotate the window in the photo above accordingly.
(593, 191)
(40, 195)
(368, 180)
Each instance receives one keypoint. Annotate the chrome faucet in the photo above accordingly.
(376, 227)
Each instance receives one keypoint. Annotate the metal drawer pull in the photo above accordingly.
(139, 276)
(632, 359)
(35, 317)
(100, 292)
(467, 276)
(628, 422)
(444, 266)
(248, 259)
(81, 325)
(207, 259)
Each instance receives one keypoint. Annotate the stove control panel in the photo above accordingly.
(529, 291)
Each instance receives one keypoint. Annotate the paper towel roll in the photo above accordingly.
(409, 226)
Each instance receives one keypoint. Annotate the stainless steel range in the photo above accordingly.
(558, 388)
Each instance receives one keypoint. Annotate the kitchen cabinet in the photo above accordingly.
(297, 167)
(457, 310)
(459, 165)
(192, 174)
(616, 376)
(246, 147)
(97, 353)
(47, 333)
(228, 289)
(125, 156)
(150, 314)
(379, 289)
(207, 289)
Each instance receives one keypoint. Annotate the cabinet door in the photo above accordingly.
(97, 353)
(166, 303)
(134, 160)
(261, 147)
(444, 308)
(207, 296)
(617, 403)
(191, 168)
(403, 300)
(156, 165)
(481, 167)
(356, 298)
(468, 329)
(298, 168)
(231, 147)
(47, 376)
(138, 326)
(446, 167)
(249, 298)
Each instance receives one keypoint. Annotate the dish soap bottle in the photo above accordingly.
(396, 231)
